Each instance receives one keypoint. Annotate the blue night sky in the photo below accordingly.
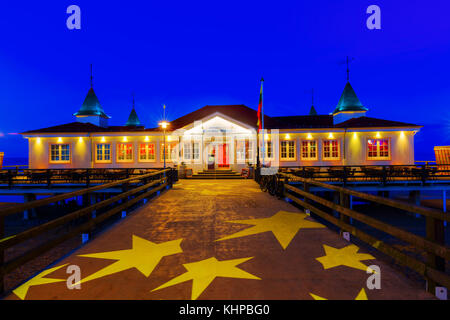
(188, 54)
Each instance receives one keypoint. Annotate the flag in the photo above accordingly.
(259, 123)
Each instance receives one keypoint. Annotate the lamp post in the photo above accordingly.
(164, 124)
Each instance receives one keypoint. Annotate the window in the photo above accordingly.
(288, 150)
(244, 150)
(60, 153)
(191, 151)
(187, 151)
(309, 150)
(378, 149)
(331, 150)
(171, 151)
(267, 150)
(146, 152)
(103, 152)
(124, 152)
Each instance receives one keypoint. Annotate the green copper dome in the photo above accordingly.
(91, 106)
(133, 120)
(312, 111)
(349, 101)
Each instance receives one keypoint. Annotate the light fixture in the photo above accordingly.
(287, 136)
(355, 135)
(59, 140)
(309, 137)
(125, 139)
(402, 134)
(80, 139)
(164, 124)
(266, 136)
(103, 139)
(38, 140)
(146, 138)
(378, 135)
(330, 136)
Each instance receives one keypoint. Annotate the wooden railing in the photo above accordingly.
(383, 174)
(135, 189)
(55, 177)
(433, 269)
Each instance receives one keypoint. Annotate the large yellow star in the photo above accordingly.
(284, 226)
(347, 256)
(22, 291)
(361, 296)
(144, 256)
(205, 271)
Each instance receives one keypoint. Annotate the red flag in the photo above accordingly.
(259, 123)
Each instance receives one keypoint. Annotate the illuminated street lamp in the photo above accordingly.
(164, 124)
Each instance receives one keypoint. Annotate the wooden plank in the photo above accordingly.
(11, 241)
(25, 206)
(35, 252)
(381, 246)
(385, 201)
(420, 242)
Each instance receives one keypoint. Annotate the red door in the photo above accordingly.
(223, 156)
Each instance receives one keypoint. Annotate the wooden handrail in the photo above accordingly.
(400, 257)
(430, 212)
(27, 234)
(420, 242)
(35, 252)
(37, 203)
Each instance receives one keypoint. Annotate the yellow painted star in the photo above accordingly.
(347, 256)
(205, 271)
(284, 226)
(144, 256)
(22, 291)
(361, 296)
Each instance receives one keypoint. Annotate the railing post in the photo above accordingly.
(49, 178)
(435, 233)
(384, 176)
(344, 201)
(10, 180)
(344, 178)
(2, 256)
(88, 180)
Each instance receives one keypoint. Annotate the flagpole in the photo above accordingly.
(262, 119)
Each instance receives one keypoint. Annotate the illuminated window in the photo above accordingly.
(309, 150)
(171, 152)
(103, 152)
(268, 149)
(124, 152)
(244, 150)
(287, 150)
(331, 150)
(146, 152)
(60, 153)
(378, 149)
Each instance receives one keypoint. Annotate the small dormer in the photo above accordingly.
(349, 106)
(91, 111)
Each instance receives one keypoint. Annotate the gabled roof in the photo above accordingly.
(133, 120)
(298, 122)
(81, 127)
(239, 112)
(349, 101)
(91, 106)
(368, 122)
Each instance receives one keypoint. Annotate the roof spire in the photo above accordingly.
(348, 67)
(312, 111)
(92, 82)
(133, 120)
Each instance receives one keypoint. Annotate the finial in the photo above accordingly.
(262, 79)
(312, 96)
(132, 94)
(92, 82)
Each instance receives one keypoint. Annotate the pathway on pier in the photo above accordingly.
(222, 239)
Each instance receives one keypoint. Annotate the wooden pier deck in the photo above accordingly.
(219, 240)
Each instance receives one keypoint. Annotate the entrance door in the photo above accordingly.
(211, 157)
(223, 156)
